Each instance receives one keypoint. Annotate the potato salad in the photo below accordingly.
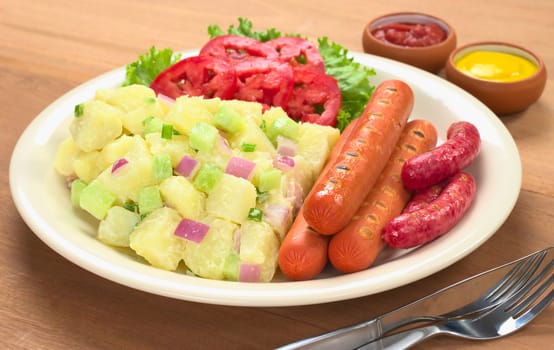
(210, 185)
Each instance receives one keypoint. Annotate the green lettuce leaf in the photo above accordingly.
(149, 65)
(244, 28)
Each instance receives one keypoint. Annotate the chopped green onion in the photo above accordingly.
(261, 197)
(255, 214)
(248, 147)
(147, 120)
(130, 206)
(167, 131)
(150, 100)
(262, 125)
(79, 110)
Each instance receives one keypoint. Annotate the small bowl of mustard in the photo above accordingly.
(507, 78)
(418, 39)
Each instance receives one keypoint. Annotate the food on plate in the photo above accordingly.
(299, 53)
(303, 252)
(264, 63)
(204, 184)
(356, 247)
(421, 226)
(197, 76)
(422, 198)
(496, 66)
(410, 34)
(460, 149)
(341, 189)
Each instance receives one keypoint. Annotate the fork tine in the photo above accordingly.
(519, 275)
(513, 324)
(521, 304)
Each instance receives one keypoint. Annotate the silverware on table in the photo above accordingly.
(511, 315)
(481, 294)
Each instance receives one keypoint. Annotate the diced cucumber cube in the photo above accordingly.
(231, 267)
(207, 177)
(269, 179)
(117, 226)
(202, 136)
(228, 119)
(149, 199)
(161, 165)
(151, 125)
(283, 126)
(77, 187)
(96, 199)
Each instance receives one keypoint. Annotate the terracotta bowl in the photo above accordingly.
(501, 97)
(430, 58)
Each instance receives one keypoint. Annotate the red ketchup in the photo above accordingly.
(410, 34)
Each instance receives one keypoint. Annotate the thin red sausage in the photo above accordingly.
(342, 188)
(460, 149)
(424, 225)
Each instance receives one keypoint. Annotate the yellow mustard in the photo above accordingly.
(496, 66)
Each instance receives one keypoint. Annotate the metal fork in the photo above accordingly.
(518, 277)
(483, 291)
(511, 315)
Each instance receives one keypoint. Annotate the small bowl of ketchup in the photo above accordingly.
(418, 39)
(506, 77)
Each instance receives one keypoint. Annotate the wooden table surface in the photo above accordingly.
(49, 47)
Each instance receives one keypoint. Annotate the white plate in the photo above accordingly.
(43, 201)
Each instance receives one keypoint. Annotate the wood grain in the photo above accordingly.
(49, 47)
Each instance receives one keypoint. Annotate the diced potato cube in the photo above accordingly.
(180, 194)
(65, 155)
(316, 143)
(98, 125)
(130, 178)
(114, 150)
(187, 111)
(177, 147)
(154, 239)
(127, 98)
(117, 226)
(248, 109)
(231, 198)
(252, 134)
(259, 245)
(207, 258)
(86, 166)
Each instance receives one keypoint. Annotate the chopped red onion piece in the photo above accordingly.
(166, 99)
(118, 164)
(222, 145)
(192, 230)
(240, 167)
(277, 216)
(249, 272)
(286, 146)
(187, 167)
(236, 240)
(283, 163)
(295, 194)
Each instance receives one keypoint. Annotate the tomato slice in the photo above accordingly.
(315, 98)
(197, 76)
(265, 81)
(237, 48)
(298, 52)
